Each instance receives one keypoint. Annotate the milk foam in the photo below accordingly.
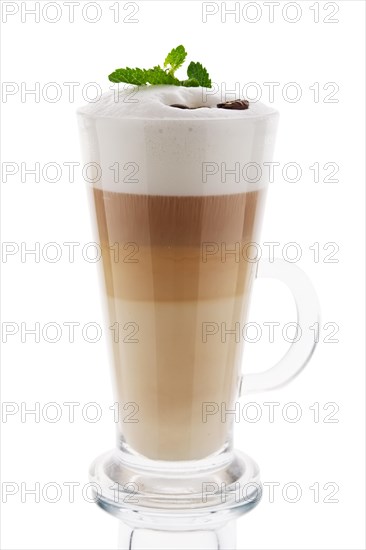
(139, 144)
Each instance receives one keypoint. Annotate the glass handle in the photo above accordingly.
(308, 315)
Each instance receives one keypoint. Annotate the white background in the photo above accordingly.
(306, 212)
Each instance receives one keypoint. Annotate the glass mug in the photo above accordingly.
(177, 203)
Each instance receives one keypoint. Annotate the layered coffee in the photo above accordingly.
(169, 242)
(167, 290)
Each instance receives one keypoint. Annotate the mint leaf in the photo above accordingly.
(175, 58)
(140, 77)
(197, 74)
(196, 71)
(157, 75)
(130, 76)
(190, 82)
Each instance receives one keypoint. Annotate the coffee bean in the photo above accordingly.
(239, 104)
(179, 106)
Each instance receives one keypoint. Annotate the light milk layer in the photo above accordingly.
(137, 143)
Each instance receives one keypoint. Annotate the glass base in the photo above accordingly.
(175, 495)
(134, 538)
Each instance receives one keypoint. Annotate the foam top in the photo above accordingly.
(142, 145)
(154, 102)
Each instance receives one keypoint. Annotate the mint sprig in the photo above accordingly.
(197, 74)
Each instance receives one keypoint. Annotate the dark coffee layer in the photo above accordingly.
(176, 248)
(155, 220)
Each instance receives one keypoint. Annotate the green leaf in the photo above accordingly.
(175, 58)
(190, 82)
(131, 76)
(157, 76)
(199, 73)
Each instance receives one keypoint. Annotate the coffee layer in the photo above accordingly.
(176, 248)
(177, 281)
(175, 368)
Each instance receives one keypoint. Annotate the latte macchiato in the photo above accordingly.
(170, 238)
(167, 292)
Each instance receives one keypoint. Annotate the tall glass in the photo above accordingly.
(178, 200)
